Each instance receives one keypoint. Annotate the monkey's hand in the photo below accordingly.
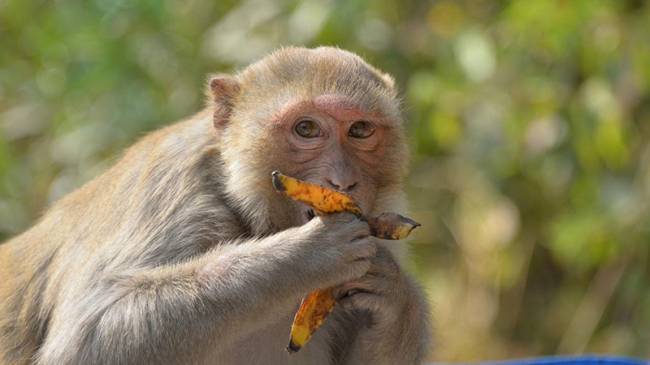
(381, 292)
(392, 311)
(332, 250)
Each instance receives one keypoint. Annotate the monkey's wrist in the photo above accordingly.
(290, 252)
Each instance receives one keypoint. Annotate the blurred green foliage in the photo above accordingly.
(529, 122)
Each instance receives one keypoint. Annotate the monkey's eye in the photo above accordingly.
(361, 129)
(307, 128)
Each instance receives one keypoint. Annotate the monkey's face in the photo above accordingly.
(321, 115)
(333, 141)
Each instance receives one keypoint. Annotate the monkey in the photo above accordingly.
(182, 253)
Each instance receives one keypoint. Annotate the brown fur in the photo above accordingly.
(182, 253)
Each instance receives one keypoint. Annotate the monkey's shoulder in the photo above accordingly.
(166, 187)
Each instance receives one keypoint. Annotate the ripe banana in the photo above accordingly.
(310, 316)
(322, 199)
(316, 306)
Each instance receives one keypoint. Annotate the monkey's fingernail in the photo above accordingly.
(350, 293)
(293, 348)
(356, 291)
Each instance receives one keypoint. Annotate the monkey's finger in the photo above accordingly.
(382, 278)
(368, 283)
(369, 292)
(364, 300)
(341, 217)
(363, 249)
(344, 229)
(348, 272)
(352, 271)
(359, 230)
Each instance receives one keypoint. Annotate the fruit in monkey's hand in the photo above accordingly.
(391, 226)
(388, 226)
(316, 306)
(323, 200)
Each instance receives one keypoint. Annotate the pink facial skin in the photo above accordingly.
(338, 107)
(334, 158)
(335, 114)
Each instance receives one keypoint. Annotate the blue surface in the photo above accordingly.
(572, 360)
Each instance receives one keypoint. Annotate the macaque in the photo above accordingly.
(182, 253)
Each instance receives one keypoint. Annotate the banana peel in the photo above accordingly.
(391, 226)
(323, 200)
(317, 305)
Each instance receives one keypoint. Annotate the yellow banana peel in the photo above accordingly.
(317, 305)
(322, 199)
(310, 316)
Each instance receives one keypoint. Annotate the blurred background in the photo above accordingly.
(529, 123)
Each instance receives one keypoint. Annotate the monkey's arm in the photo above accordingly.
(160, 315)
(171, 313)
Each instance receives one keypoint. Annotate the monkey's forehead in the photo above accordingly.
(322, 71)
(338, 107)
(342, 102)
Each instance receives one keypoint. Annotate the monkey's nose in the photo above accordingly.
(342, 186)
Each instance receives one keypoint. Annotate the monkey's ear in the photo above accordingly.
(389, 80)
(222, 91)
